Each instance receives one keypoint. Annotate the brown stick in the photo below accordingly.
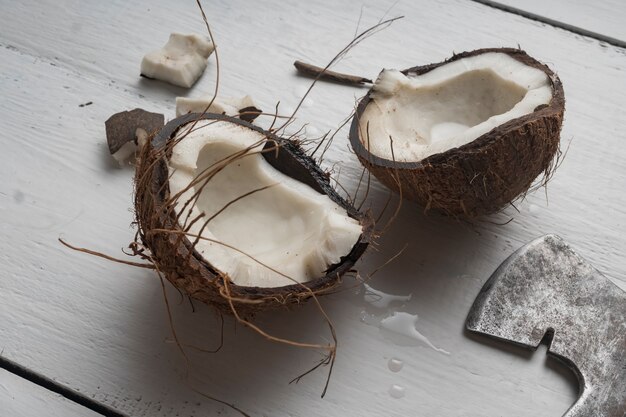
(314, 71)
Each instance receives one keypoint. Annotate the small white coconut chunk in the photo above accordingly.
(278, 236)
(128, 150)
(229, 106)
(123, 154)
(142, 137)
(449, 106)
(180, 62)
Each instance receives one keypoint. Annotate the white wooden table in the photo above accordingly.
(101, 328)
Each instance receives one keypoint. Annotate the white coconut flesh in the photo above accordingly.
(226, 105)
(283, 235)
(181, 61)
(449, 106)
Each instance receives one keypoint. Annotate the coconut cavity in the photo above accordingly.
(411, 117)
(259, 226)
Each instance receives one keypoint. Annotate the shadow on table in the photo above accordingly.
(443, 265)
(553, 364)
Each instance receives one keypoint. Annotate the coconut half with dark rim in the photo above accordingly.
(239, 218)
(466, 136)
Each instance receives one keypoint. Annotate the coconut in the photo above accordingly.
(241, 219)
(466, 136)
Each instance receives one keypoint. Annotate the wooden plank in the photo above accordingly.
(20, 398)
(604, 17)
(101, 327)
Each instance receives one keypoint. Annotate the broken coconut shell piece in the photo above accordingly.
(121, 131)
(242, 107)
(233, 214)
(181, 61)
(313, 71)
(466, 136)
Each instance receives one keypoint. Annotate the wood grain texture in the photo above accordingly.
(102, 328)
(20, 398)
(605, 17)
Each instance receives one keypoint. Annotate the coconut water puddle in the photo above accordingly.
(399, 327)
(379, 299)
(404, 324)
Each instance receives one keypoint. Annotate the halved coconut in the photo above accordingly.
(465, 136)
(272, 228)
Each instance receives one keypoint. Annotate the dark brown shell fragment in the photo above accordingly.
(122, 127)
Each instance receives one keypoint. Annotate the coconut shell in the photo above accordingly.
(121, 127)
(186, 269)
(485, 175)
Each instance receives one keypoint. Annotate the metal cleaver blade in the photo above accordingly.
(545, 288)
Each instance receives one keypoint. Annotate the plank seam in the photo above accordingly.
(561, 25)
(54, 386)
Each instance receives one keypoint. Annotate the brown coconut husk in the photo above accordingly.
(485, 175)
(166, 248)
(173, 253)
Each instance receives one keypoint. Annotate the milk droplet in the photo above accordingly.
(381, 299)
(396, 391)
(395, 365)
(370, 319)
(404, 324)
